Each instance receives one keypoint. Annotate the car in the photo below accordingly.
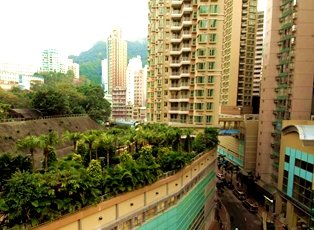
(250, 205)
(239, 194)
(230, 185)
(220, 176)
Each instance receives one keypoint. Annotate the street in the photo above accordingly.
(240, 217)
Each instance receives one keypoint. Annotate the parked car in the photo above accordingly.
(239, 194)
(230, 185)
(250, 205)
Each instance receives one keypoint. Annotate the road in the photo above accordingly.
(240, 217)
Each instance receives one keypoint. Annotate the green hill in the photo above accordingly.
(90, 60)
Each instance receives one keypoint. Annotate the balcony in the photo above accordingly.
(286, 26)
(282, 97)
(275, 165)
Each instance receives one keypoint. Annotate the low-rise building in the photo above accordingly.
(295, 200)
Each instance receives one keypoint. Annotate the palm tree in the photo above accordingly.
(74, 137)
(105, 141)
(89, 138)
(45, 142)
(30, 143)
(188, 140)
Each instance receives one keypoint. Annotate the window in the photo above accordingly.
(201, 66)
(199, 106)
(210, 92)
(199, 93)
(213, 9)
(213, 23)
(212, 37)
(211, 79)
(209, 106)
(203, 24)
(211, 65)
(201, 52)
(198, 118)
(209, 119)
(287, 158)
(200, 79)
(203, 9)
(212, 52)
(202, 38)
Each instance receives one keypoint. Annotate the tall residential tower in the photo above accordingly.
(184, 64)
(238, 56)
(287, 85)
(117, 60)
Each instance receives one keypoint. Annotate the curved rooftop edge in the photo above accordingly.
(306, 133)
(137, 208)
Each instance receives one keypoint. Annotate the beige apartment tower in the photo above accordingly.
(287, 84)
(258, 62)
(184, 64)
(117, 60)
(238, 56)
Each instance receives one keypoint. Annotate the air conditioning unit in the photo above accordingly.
(312, 117)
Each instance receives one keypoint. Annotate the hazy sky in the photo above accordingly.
(71, 26)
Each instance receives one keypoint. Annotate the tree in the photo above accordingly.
(9, 164)
(26, 200)
(4, 110)
(206, 140)
(45, 142)
(96, 106)
(74, 137)
(105, 141)
(50, 101)
(30, 143)
(89, 138)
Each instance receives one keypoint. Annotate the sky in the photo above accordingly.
(70, 26)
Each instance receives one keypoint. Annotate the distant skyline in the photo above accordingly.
(70, 26)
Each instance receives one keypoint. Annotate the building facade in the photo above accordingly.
(184, 200)
(184, 62)
(258, 62)
(295, 200)
(119, 106)
(8, 80)
(134, 81)
(50, 61)
(238, 55)
(287, 84)
(117, 60)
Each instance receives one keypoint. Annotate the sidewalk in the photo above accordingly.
(267, 217)
(222, 221)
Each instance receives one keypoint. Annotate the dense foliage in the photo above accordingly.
(59, 96)
(103, 164)
(90, 60)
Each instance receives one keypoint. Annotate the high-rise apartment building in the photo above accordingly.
(258, 62)
(287, 84)
(134, 81)
(117, 60)
(184, 64)
(104, 75)
(50, 61)
(238, 55)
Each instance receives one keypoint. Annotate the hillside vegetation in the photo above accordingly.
(90, 60)
(11, 132)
